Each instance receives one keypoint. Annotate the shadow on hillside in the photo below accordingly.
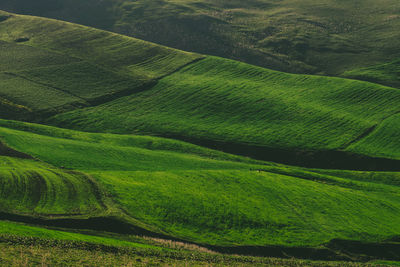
(9, 152)
(323, 159)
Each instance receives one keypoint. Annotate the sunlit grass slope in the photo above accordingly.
(223, 100)
(213, 198)
(383, 141)
(31, 187)
(82, 151)
(48, 65)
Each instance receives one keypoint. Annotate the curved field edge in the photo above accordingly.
(251, 204)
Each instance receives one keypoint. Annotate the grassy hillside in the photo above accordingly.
(107, 186)
(236, 202)
(130, 86)
(328, 37)
(48, 66)
(219, 100)
(30, 187)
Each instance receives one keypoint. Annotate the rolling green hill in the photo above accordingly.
(328, 37)
(152, 180)
(114, 83)
(33, 187)
(219, 100)
(48, 66)
(124, 178)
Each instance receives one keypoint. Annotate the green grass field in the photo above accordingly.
(222, 100)
(58, 65)
(329, 37)
(154, 184)
(38, 188)
(116, 178)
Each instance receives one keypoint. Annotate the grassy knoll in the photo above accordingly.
(210, 197)
(329, 37)
(226, 101)
(209, 102)
(48, 66)
(30, 187)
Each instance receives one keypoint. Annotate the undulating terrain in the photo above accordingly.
(358, 39)
(118, 151)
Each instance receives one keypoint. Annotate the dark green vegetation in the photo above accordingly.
(106, 187)
(328, 37)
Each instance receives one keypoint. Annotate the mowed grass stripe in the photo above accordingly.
(90, 156)
(35, 188)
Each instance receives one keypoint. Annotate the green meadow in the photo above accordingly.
(61, 63)
(117, 149)
(340, 38)
(196, 194)
(222, 100)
